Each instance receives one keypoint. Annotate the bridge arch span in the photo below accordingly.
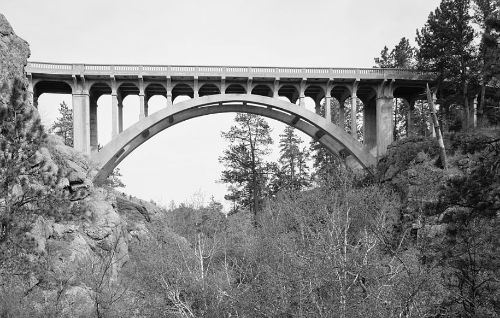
(331, 136)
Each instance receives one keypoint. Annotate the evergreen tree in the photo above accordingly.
(64, 124)
(325, 164)
(246, 171)
(487, 18)
(28, 176)
(114, 180)
(385, 60)
(446, 47)
(401, 56)
(293, 170)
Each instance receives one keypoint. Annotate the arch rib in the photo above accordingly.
(330, 135)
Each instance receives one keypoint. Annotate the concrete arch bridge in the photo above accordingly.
(336, 93)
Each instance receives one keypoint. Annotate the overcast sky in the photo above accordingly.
(183, 160)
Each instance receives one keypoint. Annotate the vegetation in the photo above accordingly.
(246, 170)
(63, 126)
(28, 176)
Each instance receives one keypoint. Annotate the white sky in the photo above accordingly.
(183, 160)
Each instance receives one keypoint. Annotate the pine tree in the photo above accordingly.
(64, 124)
(385, 60)
(486, 12)
(246, 171)
(114, 180)
(401, 56)
(325, 164)
(28, 176)
(294, 172)
(446, 47)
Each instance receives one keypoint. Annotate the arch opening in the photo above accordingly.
(290, 92)
(359, 117)
(182, 89)
(262, 90)
(47, 98)
(408, 115)
(99, 116)
(208, 89)
(236, 89)
(316, 93)
(156, 103)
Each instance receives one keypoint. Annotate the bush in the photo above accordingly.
(469, 142)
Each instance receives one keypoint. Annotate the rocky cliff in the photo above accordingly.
(95, 244)
(75, 261)
(14, 53)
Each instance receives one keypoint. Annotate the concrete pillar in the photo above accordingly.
(142, 106)
(354, 124)
(94, 142)
(81, 122)
(169, 92)
(120, 115)
(114, 114)
(276, 88)
(341, 122)
(328, 108)
(223, 85)
(354, 110)
(370, 125)
(195, 88)
(249, 85)
(409, 105)
(302, 92)
(302, 103)
(385, 105)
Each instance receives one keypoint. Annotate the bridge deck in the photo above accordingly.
(225, 71)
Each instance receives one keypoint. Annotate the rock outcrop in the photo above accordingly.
(14, 53)
(76, 250)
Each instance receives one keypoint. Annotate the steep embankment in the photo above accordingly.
(411, 167)
(75, 261)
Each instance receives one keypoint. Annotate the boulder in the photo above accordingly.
(77, 302)
(40, 232)
(59, 229)
(131, 209)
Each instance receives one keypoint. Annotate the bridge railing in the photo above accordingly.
(233, 71)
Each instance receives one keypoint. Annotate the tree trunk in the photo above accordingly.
(395, 124)
(480, 110)
(442, 150)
